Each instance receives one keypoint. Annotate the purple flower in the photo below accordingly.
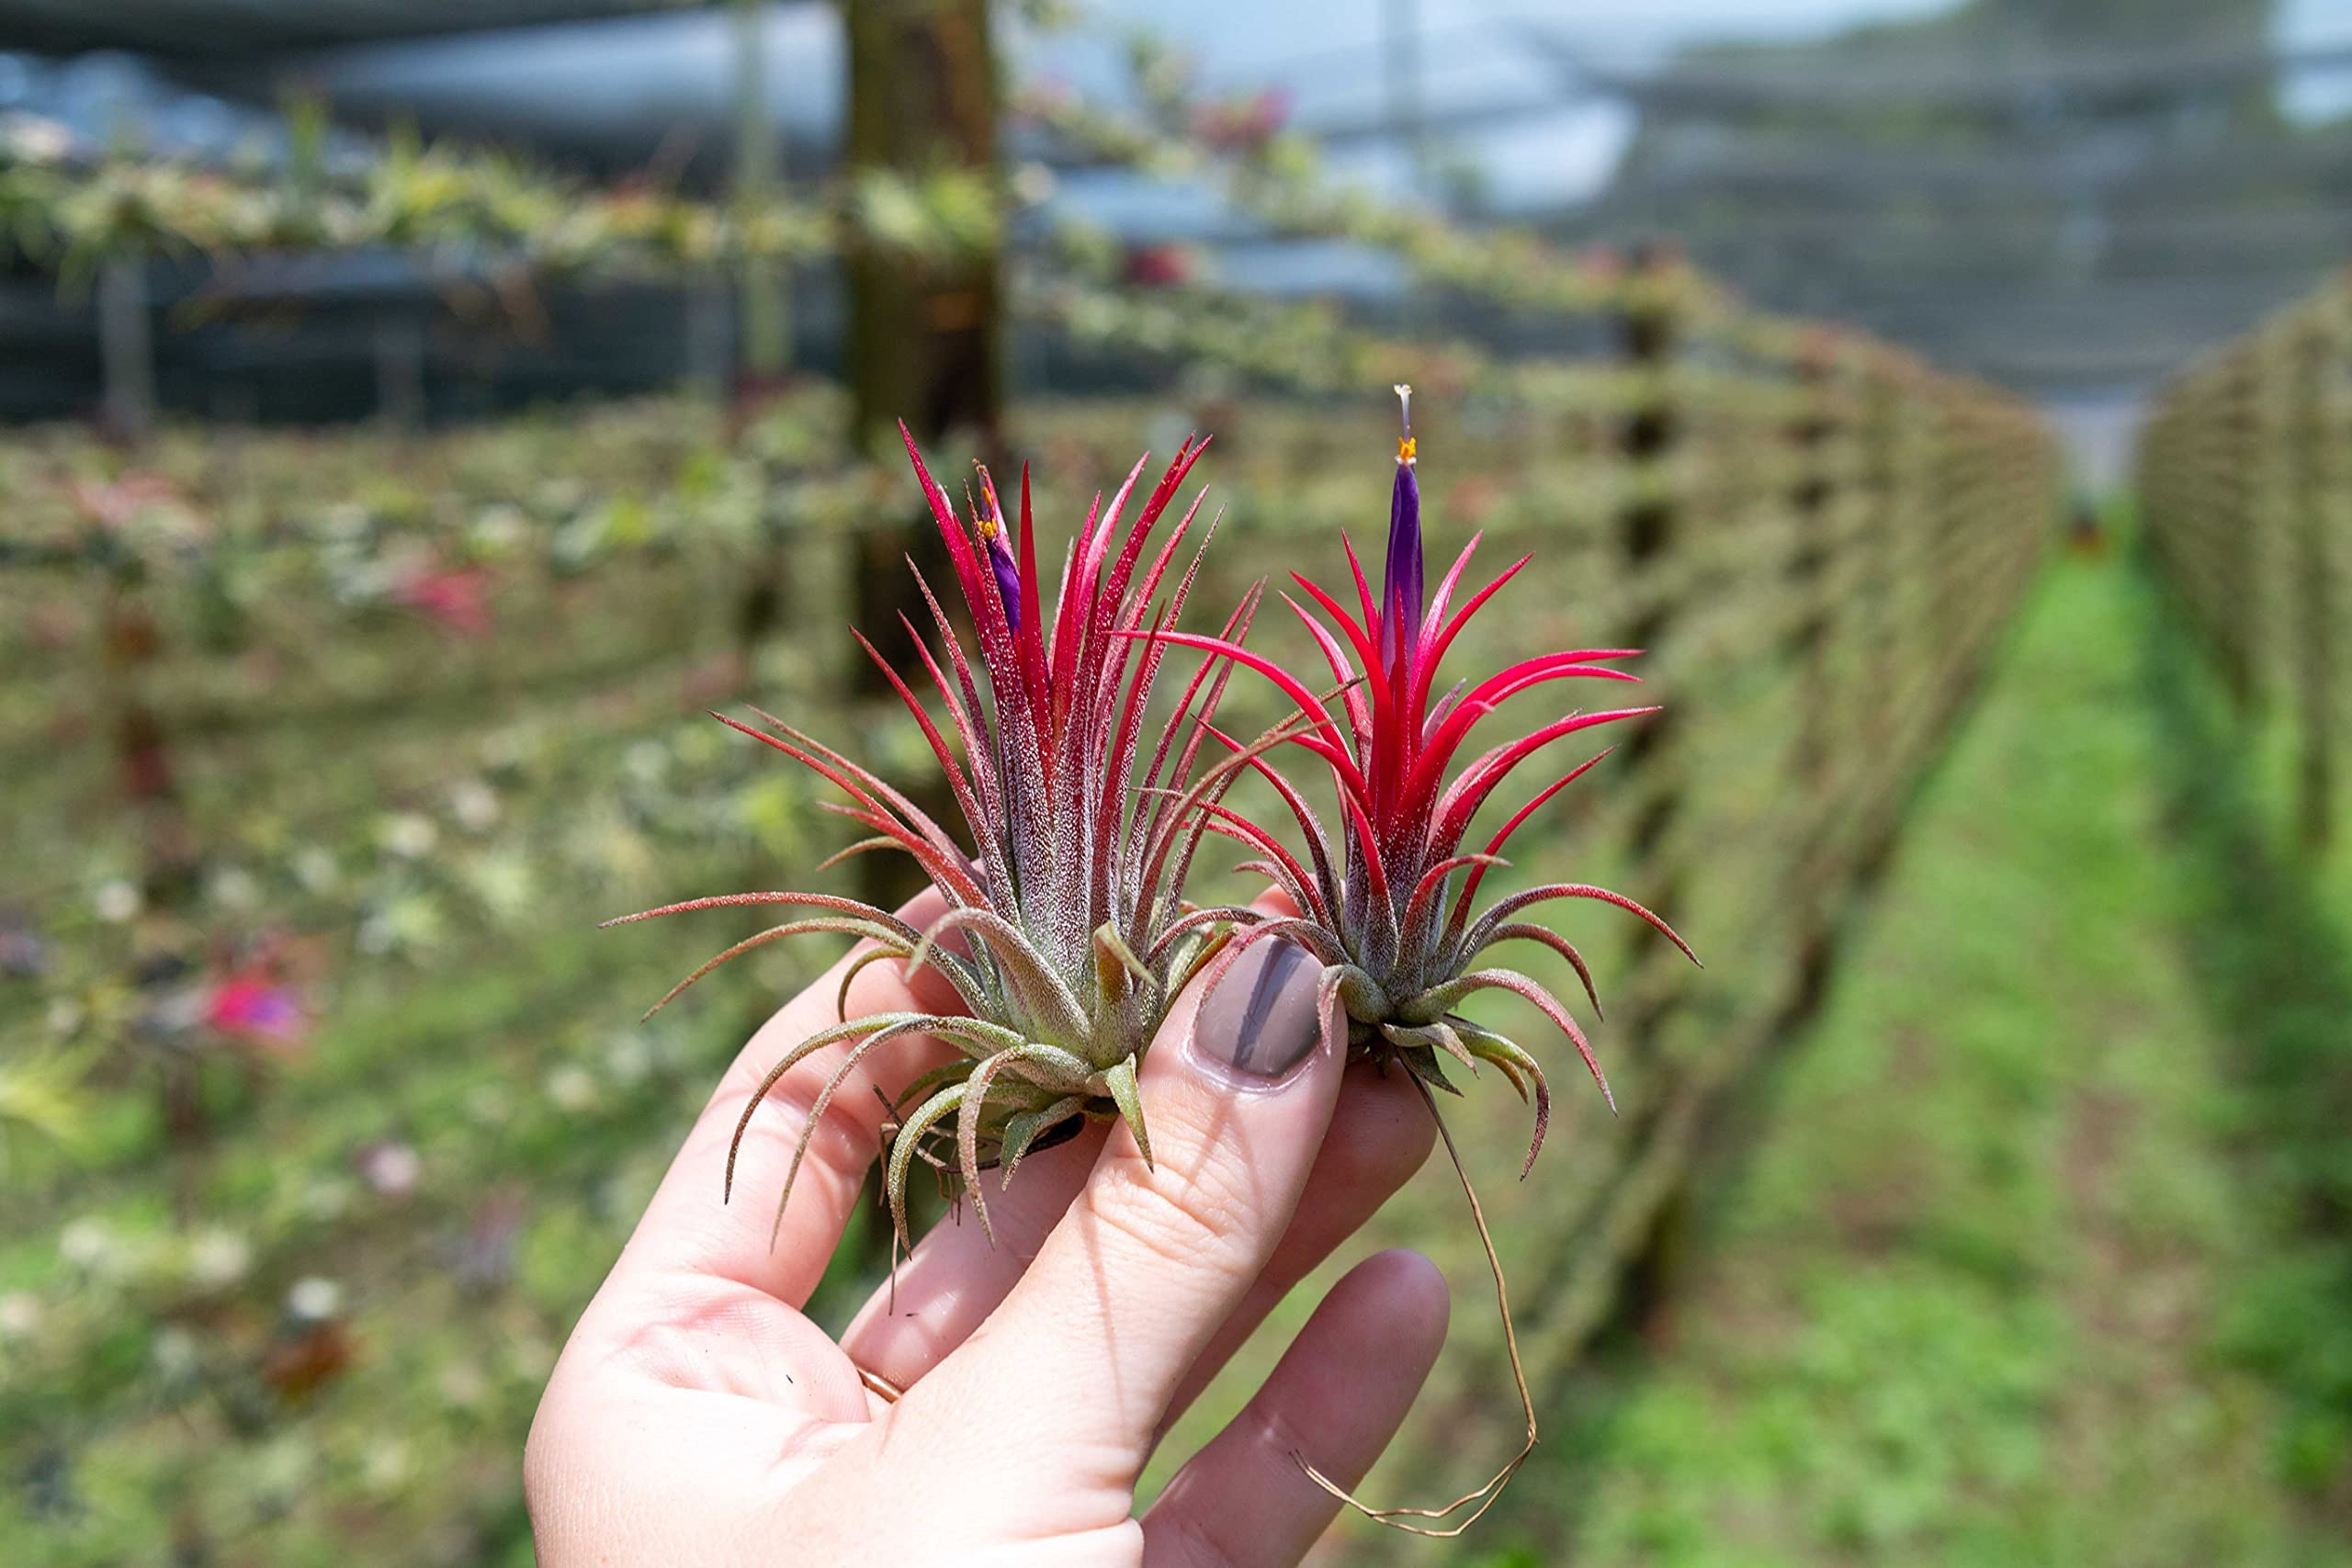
(990, 523)
(1401, 601)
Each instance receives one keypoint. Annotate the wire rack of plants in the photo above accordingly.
(2246, 471)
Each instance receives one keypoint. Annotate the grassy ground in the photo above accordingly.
(2033, 1256)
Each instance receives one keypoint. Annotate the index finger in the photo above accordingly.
(1159, 1249)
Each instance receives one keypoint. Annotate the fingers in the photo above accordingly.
(1336, 1399)
(1379, 1135)
(955, 1278)
(1133, 1284)
(687, 1227)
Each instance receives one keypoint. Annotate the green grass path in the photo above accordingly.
(1989, 1286)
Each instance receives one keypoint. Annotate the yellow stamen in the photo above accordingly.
(992, 519)
(1405, 449)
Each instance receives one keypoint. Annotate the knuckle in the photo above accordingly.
(1280, 1446)
(1197, 1544)
(1201, 1213)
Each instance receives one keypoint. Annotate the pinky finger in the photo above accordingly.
(1335, 1399)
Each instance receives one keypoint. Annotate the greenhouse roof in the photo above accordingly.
(220, 28)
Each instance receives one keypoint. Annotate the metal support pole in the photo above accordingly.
(400, 372)
(1401, 29)
(126, 347)
(767, 322)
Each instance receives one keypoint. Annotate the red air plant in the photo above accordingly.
(457, 599)
(1069, 901)
(1388, 903)
(253, 1009)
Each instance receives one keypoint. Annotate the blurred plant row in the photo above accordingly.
(2245, 475)
(72, 206)
(75, 207)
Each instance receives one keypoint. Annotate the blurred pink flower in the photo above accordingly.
(115, 505)
(1042, 99)
(1159, 265)
(390, 1167)
(252, 1009)
(1243, 122)
(458, 598)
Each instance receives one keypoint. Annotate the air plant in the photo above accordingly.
(1387, 903)
(1067, 906)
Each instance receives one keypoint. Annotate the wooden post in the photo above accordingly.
(1884, 545)
(1646, 530)
(2240, 542)
(1914, 565)
(1958, 461)
(2309, 458)
(767, 322)
(926, 337)
(1811, 499)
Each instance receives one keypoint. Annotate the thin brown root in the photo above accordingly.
(1484, 1495)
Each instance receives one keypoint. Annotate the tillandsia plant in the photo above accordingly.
(1074, 933)
(1389, 902)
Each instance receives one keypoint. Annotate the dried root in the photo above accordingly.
(1482, 1497)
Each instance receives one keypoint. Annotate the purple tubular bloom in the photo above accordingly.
(999, 552)
(1401, 609)
(1008, 580)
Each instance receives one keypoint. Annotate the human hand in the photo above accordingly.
(697, 1416)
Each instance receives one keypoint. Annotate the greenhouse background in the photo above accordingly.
(420, 413)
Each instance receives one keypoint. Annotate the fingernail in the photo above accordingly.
(1262, 1020)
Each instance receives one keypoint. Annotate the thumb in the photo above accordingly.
(1081, 1360)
